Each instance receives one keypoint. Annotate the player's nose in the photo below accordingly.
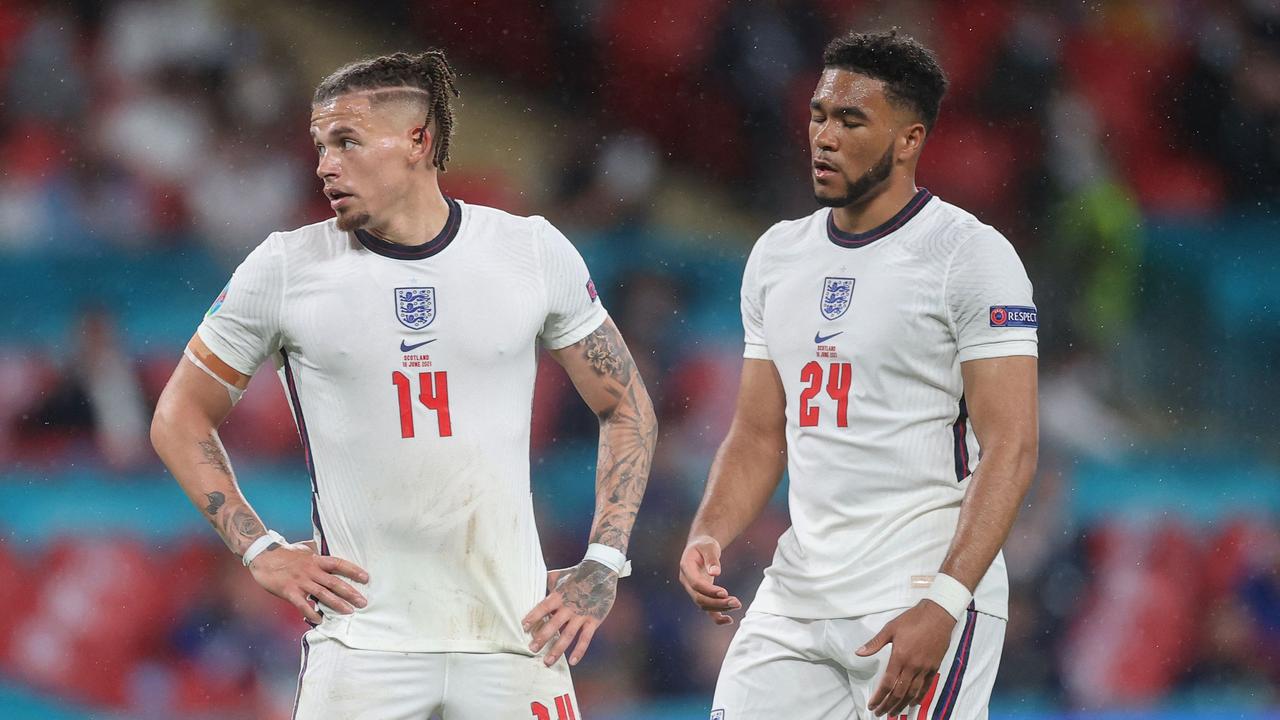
(327, 167)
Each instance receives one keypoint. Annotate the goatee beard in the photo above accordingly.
(864, 185)
(354, 221)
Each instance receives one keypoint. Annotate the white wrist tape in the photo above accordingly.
(261, 544)
(609, 557)
(950, 593)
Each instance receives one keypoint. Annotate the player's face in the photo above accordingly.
(363, 153)
(852, 133)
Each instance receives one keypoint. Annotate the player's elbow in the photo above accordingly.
(162, 423)
(1023, 454)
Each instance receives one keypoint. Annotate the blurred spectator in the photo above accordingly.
(98, 396)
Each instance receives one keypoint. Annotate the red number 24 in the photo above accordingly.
(434, 393)
(839, 381)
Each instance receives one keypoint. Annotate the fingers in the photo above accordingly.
(567, 635)
(327, 597)
(540, 611)
(345, 568)
(544, 633)
(882, 638)
(298, 599)
(584, 641)
(879, 701)
(697, 572)
(909, 688)
(342, 590)
(698, 566)
(720, 618)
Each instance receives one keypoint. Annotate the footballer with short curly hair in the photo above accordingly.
(888, 594)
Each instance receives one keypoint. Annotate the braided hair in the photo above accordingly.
(425, 72)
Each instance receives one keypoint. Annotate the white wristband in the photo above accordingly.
(609, 557)
(950, 593)
(262, 543)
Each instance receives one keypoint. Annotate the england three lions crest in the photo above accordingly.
(836, 293)
(416, 307)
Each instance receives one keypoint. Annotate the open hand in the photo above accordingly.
(577, 602)
(699, 567)
(920, 638)
(294, 572)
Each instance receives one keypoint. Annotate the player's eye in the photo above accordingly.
(348, 143)
(319, 149)
(816, 119)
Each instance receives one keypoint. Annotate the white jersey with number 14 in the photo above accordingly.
(411, 373)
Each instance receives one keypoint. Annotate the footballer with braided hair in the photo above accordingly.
(906, 423)
(405, 332)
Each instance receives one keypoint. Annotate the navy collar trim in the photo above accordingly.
(431, 247)
(857, 240)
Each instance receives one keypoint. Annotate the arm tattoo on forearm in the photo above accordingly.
(215, 456)
(216, 501)
(628, 434)
(236, 524)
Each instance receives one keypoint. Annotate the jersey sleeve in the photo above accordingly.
(574, 308)
(753, 308)
(989, 300)
(243, 326)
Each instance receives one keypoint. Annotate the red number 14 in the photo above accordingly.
(839, 380)
(434, 393)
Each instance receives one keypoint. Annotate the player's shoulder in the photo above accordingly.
(786, 235)
(954, 226)
(507, 225)
(315, 240)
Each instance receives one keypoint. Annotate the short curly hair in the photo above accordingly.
(426, 72)
(910, 71)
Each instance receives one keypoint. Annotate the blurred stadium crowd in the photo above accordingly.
(1130, 151)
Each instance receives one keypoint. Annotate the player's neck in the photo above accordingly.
(421, 218)
(875, 211)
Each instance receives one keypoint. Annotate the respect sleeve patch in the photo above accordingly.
(1014, 316)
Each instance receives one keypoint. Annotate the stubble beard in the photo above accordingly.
(352, 221)
(861, 188)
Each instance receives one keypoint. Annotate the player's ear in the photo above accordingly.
(422, 143)
(912, 141)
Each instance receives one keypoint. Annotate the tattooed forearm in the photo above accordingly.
(589, 589)
(216, 501)
(237, 524)
(628, 434)
(215, 456)
(246, 525)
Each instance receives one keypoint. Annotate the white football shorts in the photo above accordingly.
(339, 682)
(781, 667)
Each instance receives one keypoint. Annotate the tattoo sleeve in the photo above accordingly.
(628, 433)
(235, 522)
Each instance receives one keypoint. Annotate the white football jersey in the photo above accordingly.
(868, 332)
(410, 371)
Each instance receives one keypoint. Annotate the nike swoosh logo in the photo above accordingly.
(406, 348)
(819, 339)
